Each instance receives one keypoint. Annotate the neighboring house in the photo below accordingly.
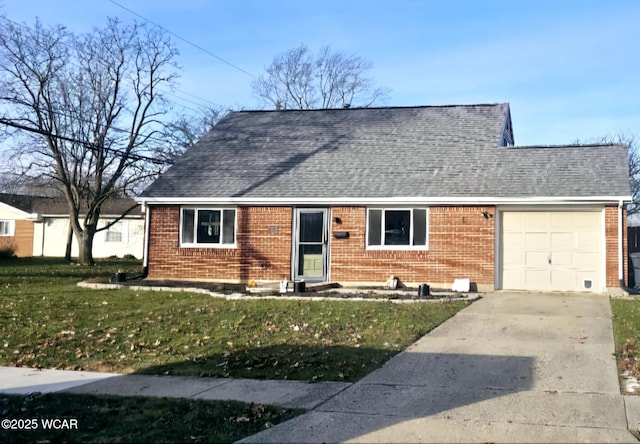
(38, 226)
(354, 196)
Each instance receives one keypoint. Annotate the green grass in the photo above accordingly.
(46, 320)
(626, 331)
(626, 320)
(107, 419)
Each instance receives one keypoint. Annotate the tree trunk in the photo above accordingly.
(85, 246)
(67, 252)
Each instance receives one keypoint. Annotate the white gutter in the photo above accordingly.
(102, 216)
(559, 200)
(620, 246)
(33, 217)
(147, 231)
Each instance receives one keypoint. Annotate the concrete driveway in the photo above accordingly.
(512, 367)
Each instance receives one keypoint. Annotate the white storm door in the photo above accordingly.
(310, 248)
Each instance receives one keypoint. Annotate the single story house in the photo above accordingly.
(426, 194)
(39, 226)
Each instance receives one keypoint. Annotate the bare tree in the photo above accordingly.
(185, 131)
(634, 165)
(634, 173)
(298, 79)
(88, 107)
(14, 183)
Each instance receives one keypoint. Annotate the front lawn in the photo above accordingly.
(47, 321)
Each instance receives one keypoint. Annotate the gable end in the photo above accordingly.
(506, 138)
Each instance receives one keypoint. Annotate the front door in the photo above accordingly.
(310, 248)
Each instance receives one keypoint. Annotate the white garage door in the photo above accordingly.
(554, 250)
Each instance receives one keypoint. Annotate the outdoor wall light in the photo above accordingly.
(337, 220)
(487, 215)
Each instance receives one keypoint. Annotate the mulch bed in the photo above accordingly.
(406, 293)
(218, 287)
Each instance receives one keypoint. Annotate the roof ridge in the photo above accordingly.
(571, 145)
(352, 108)
(26, 195)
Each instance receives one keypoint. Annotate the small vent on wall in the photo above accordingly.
(588, 283)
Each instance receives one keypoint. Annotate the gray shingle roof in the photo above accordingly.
(422, 152)
(57, 206)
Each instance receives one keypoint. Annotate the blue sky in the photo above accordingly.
(569, 69)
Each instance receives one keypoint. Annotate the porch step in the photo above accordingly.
(322, 286)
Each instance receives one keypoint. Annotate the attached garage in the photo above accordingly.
(553, 250)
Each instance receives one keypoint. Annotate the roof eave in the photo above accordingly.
(102, 216)
(334, 201)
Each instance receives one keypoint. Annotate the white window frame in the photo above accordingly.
(382, 231)
(121, 227)
(11, 227)
(195, 243)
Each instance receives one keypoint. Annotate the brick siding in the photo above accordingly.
(261, 253)
(461, 245)
(611, 246)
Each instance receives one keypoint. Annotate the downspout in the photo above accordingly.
(145, 248)
(44, 229)
(147, 231)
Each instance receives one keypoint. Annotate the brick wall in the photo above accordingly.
(261, 253)
(611, 246)
(461, 245)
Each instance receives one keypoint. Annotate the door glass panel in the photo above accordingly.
(310, 261)
(311, 227)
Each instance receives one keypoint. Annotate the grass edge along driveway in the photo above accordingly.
(626, 332)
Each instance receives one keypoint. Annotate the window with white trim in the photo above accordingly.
(7, 227)
(208, 227)
(398, 228)
(116, 233)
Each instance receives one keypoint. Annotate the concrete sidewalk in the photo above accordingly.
(288, 394)
(509, 368)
